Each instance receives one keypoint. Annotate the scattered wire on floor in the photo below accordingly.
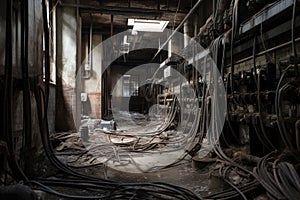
(278, 177)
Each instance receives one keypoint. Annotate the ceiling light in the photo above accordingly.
(147, 25)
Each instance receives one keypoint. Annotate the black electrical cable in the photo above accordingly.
(259, 104)
(274, 168)
(43, 123)
(280, 179)
(51, 191)
(279, 120)
(258, 134)
(297, 134)
(128, 190)
(8, 99)
(231, 184)
(293, 31)
(233, 32)
(26, 87)
(254, 60)
(57, 163)
(293, 175)
(158, 188)
(234, 134)
(47, 54)
(262, 175)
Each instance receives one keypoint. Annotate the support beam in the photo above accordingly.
(111, 25)
(126, 11)
(178, 27)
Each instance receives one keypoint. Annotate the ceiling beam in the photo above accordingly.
(123, 11)
(126, 11)
(178, 27)
(103, 29)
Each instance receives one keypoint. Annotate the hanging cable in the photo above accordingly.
(8, 96)
(293, 30)
(233, 33)
(261, 123)
(47, 53)
(27, 124)
(279, 118)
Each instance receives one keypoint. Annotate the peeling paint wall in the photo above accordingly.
(92, 85)
(66, 68)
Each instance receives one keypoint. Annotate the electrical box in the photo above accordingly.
(83, 97)
(87, 67)
(107, 125)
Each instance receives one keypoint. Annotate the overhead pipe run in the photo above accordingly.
(111, 25)
(178, 27)
(125, 11)
(91, 43)
(169, 48)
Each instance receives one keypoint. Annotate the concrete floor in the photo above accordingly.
(199, 181)
(105, 152)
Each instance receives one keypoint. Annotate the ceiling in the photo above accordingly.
(100, 12)
(107, 14)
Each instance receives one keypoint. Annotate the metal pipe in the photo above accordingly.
(53, 45)
(297, 127)
(169, 48)
(178, 27)
(158, 4)
(7, 99)
(78, 83)
(121, 10)
(267, 51)
(47, 47)
(91, 44)
(7, 129)
(25, 76)
(186, 33)
(111, 25)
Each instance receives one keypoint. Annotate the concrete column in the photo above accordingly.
(188, 32)
(66, 67)
(92, 86)
(170, 48)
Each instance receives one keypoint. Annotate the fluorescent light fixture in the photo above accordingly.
(147, 25)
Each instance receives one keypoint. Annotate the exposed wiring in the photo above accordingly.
(277, 105)
(259, 104)
(7, 133)
(47, 47)
(293, 31)
(233, 34)
(174, 21)
(263, 43)
(279, 178)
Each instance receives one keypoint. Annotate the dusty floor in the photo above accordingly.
(184, 175)
(129, 156)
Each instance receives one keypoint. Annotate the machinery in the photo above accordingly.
(252, 44)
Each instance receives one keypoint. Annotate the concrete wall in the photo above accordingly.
(71, 76)
(143, 73)
(92, 84)
(66, 32)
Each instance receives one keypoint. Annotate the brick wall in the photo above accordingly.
(64, 120)
(95, 100)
